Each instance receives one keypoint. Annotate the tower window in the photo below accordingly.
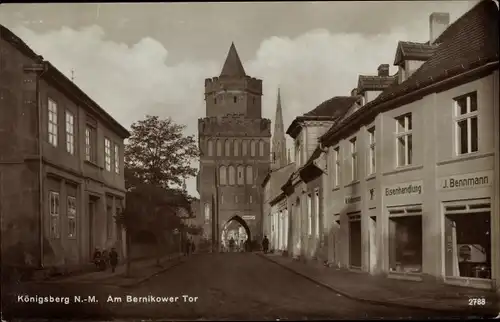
(235, 99)
(215, 100)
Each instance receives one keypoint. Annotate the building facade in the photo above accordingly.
(235, 143)
(61, 165)
(412, 190)
(275, 220)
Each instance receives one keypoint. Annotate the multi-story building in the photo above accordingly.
(304, 189)
(275, 218)
(412, 189)
(61, 164)
(234, 141)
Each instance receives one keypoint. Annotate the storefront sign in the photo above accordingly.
(248, 217)
(465, 181)
(404, 189)
(352, 199)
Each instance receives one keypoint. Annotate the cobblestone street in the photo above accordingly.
(227, 286)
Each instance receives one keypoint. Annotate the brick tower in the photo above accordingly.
(234, 141)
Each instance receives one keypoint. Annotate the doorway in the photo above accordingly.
(355, 242)
(91, 217)
(373, 243)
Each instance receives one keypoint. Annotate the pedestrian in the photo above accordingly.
(188, 247)
(265, 244)
(193, 247)
(113, 259)
(104, 260)
(97, 258)
(231, 244)
(247, 245)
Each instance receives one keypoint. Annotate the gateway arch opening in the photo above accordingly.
(234, 235)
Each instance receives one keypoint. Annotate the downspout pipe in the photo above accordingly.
(39, 70)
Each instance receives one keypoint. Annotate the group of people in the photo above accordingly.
(104, 258)
(242, 246)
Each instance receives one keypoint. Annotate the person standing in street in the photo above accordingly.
(265, 245)
(113, 259)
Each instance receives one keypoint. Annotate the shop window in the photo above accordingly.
(355, 241)
(468, 244)
(405, 244)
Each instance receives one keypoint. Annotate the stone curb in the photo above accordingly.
(360, 299)
(172, 263)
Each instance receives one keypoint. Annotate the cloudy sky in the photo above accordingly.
(136, 59)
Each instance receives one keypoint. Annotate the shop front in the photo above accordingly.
(466, 205)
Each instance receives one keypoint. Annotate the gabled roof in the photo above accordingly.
(470, 43)
(233, 66)
(374, 83)
(408, 50)
(60, 79)
(330, 110)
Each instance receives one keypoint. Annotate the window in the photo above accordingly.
(241, 175)
(244, 148)
(235, 99)
(336, 155)
(90, 144)
(354, 160)
(215, 100)
(309, 215)
(70, 133)
(117, 159)
(221, 198)
(371, 152)
(231, 175)
(210, 148)
(404, 140)
(54, 214)
(219, 148)
(107, 153)
(227, 148)
(249, 174)
(261, 148)
(405, 244)
(298, 153)
(71, 209)
(109, 222)
(316, 212)
(236, 147)
(222, 175)
(466, 136)
(250, 199)
(52, 122)
(236, 199)
(252, 148)
(207, 213)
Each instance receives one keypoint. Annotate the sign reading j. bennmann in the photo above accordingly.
(469, 180)
(404, 189)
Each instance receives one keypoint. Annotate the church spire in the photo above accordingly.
(233, 66)
(279, 140)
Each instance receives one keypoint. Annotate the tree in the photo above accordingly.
(159, 154)
(158, 157)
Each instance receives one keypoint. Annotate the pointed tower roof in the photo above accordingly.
(233, 65)
(279, 139)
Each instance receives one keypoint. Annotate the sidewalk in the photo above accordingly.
(386, 291)
(141, 271)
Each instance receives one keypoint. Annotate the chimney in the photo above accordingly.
(354, 92)
(383, 70)
(438, 22)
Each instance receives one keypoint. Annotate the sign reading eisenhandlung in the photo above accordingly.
(404, 189)
(467, 181)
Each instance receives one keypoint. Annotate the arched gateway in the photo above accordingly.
(235, 228)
